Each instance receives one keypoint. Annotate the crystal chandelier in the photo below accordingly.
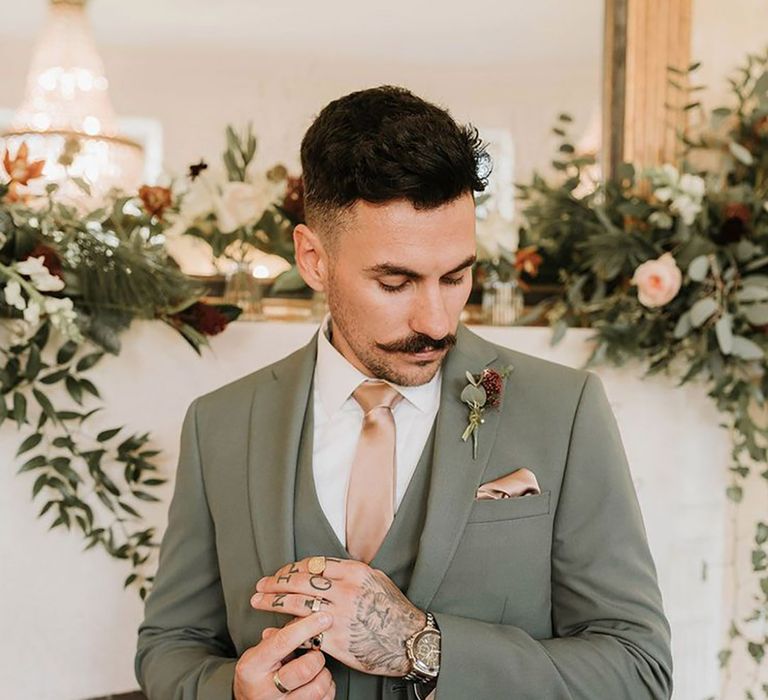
(66, 117)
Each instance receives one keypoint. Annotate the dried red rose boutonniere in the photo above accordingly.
(483, 390)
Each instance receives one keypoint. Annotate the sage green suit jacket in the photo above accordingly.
(544, 597)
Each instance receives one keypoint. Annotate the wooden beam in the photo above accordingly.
(641, 110)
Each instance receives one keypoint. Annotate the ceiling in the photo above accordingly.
(516, 32)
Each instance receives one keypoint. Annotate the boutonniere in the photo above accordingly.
(483, 390)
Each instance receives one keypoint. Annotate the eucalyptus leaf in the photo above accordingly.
(724, 333)
(702, 310)
(752, 293)
(756, 314)
(746, 349)
(473, 395)
(683, 326)
(698, 268)
(755, 280)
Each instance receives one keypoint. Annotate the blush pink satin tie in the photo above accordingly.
(371, 494)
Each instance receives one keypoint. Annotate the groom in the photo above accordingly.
(332, 535)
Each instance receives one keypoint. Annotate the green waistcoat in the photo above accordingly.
(314, 535)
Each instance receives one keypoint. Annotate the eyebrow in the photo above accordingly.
(392, 269)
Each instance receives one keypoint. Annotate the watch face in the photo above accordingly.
(426, 649)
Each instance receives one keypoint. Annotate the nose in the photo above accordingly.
(430, 315)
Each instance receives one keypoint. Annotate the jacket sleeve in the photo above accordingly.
(184, 651)
(611, 639)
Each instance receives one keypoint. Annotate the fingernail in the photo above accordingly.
(255, 598)
(325, 618)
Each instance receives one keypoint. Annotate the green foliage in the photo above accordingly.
(704, 234)
(111, 268)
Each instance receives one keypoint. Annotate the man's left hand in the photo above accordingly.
(371, 616)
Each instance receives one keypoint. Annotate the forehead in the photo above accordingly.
(397, 232)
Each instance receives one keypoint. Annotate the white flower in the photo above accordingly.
(63, 316)
(13, 295)
(495, 233)
(41, 278)
(200, 199)
(684, 192)
(244, 203)
(661, 220)
(686, 207)
(32, 313)
(692, 185)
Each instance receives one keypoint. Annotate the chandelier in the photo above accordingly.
(67, 118)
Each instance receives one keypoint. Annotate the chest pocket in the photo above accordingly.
(490, 510)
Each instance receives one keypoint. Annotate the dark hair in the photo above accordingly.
(385, 143)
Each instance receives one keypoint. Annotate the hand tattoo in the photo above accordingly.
(384, 619)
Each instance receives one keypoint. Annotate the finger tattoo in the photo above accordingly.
(320, 583)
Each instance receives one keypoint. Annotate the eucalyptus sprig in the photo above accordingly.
(703, 312)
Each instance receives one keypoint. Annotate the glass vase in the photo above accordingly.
(242, 289)
(502, 302)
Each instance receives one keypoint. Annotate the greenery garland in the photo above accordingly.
(671, 268)
(76, 280)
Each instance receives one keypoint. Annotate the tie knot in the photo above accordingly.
(378, 394)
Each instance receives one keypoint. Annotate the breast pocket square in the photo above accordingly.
(521, 482)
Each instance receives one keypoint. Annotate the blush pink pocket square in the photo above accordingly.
(520, 482)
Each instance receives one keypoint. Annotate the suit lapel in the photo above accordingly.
(455, 474)
(277, 417)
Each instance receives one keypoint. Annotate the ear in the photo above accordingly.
(311, 259)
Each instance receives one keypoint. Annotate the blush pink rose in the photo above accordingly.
(658, 281)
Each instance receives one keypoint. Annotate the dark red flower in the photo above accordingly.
(51, 259)
(203, 318)
(492, 382)
(293, 203)
(736, 223)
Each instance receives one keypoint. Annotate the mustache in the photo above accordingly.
(419, 342)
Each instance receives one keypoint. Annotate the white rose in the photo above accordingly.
(494, 233)
(13, 295)
(243, 203)
(200, 199)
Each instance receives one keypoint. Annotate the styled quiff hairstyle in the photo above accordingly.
(384, 144)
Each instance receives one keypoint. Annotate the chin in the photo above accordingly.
(411, 373)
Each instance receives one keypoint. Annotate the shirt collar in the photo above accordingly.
(336, 378)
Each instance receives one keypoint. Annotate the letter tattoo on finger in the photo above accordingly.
(320, 583)
(279, 601)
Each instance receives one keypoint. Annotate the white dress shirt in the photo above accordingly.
(338, 419)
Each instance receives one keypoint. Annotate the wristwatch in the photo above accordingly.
(423, 652)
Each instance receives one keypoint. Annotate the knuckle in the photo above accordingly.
(312, 662)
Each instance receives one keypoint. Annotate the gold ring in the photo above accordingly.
(316, 566)
(278, 684)
(317, 603)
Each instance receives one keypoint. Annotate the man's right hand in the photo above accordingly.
(305, 676)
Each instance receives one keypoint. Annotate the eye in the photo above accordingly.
(393, 288)
(454, 280)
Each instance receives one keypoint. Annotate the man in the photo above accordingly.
(335, 499)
